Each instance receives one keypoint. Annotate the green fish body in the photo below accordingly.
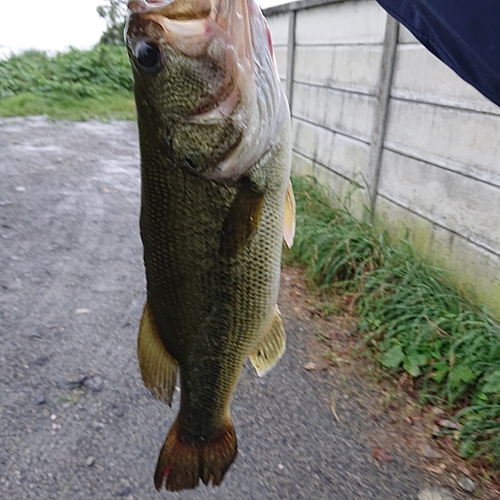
(216, 202)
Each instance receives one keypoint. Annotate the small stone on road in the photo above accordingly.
(467, 484)
(124, 492)
(40, 400)
(435, 494)
(94, 383)
(428, 452)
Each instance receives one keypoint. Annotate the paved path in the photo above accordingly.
(76, 421)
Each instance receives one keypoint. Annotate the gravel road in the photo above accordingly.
(75, 419)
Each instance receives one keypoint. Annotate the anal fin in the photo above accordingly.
(158, 367)
(271, 349)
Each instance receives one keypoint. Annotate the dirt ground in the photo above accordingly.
(75, 419)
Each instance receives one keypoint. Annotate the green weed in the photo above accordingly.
(70, 399)
(78, 84)
(104, 107)
(410, 314)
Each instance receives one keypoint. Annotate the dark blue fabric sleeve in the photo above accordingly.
(464, 34)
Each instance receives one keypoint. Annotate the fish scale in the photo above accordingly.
(216, 202)
(245, 280)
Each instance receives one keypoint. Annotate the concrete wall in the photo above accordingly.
(386, 125)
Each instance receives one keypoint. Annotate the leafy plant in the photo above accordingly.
(410, 314)
(81, 73)
(95, 82)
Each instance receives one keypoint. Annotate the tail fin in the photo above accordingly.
(181, 464)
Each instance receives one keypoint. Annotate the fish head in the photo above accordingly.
(206, 83)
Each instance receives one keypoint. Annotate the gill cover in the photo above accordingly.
(257, 100)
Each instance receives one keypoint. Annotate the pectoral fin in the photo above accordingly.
(271, 349)
(158, 367)
(242, 220)
(289, 219)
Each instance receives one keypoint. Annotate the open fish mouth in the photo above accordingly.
(189, 25)
(250, 93)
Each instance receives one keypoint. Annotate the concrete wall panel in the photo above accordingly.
(456, 202)
(348, 113)
(406, 36)
(344, 155)
(461, 140)
(341, 23)
(281, 54)
(347, 67)
(477, 270)
(421, 76)
(345, 192)
(279, 29)
(301, 165)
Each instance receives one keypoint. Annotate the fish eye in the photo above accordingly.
(149, 56)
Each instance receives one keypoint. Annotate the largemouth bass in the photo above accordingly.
(214, 133)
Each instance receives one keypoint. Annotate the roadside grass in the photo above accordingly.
(410, 316)
(104, 107)
(74, 85)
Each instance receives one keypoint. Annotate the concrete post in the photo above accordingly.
(381, 113)
(290, 56)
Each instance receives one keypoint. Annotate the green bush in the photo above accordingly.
(80, 73)
(66, 81)
(410, 314)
